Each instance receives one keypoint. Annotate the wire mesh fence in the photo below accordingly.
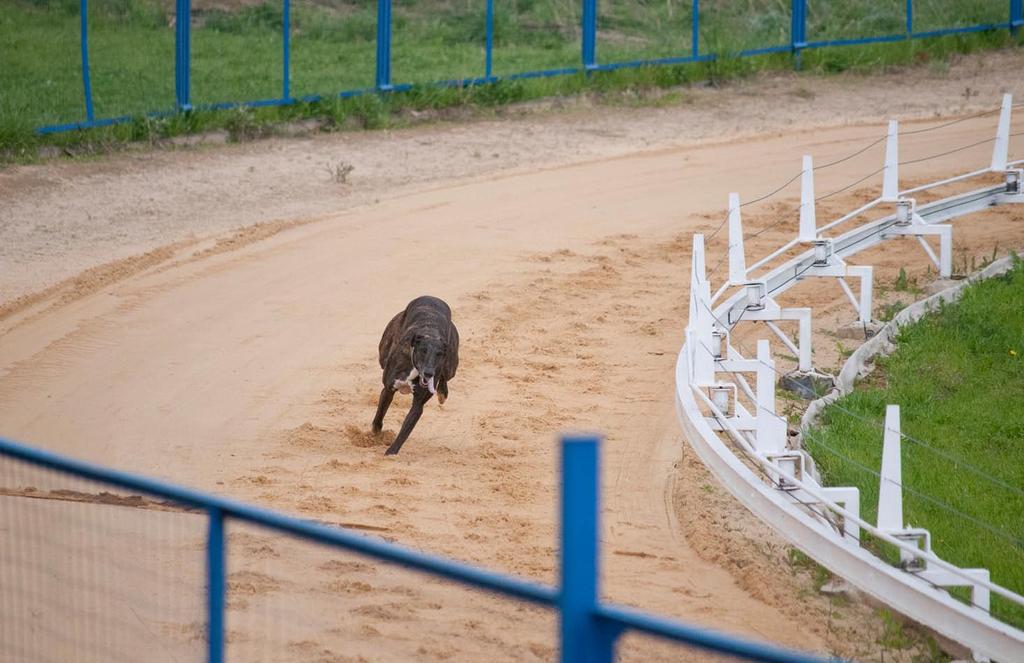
(90, 573)
(153, 571)
(75, 63)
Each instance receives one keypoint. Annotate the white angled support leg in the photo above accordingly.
(802, 348)
(866, 275)
(980, 595)
(944, 261)
(831, 266)
(849, 499)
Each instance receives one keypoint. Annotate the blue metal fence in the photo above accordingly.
(798, 43)
(589, 627)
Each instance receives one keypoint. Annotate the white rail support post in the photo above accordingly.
(803, 316)
(1001, 149)
(890, 494)
(849, 498)
(701, 327)
(808, 221)
(891, 173)
(737, 261)
(866, 274)
(890, 488)
(771, 429)
(755, 462)
(826, 263)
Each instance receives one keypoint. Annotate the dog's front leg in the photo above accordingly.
(419, 399)
(387, 394)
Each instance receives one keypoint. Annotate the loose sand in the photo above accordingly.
(244, 362)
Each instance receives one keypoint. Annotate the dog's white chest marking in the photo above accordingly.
(405, 386)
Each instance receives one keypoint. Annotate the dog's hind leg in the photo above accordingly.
(387, 394)
(419, 399)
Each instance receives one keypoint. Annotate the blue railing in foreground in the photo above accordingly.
(798, 43)
(589, 627)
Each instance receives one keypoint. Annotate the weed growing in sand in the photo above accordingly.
(340, 171)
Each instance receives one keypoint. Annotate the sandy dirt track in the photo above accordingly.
(250, 369)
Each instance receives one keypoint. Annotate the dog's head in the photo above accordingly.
(428, 353)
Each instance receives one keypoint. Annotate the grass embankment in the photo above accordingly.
(237, 55)
(958, 377)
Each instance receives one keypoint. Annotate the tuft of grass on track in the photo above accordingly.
(958, 377)
(237, 57)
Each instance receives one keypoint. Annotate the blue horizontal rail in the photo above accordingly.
(589, 627)
(589, 60)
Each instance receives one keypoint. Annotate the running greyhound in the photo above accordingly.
(419, 353)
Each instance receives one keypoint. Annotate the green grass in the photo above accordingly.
(236, 55)
(958, 377)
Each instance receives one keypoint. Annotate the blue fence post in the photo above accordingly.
(183, 54)
(695, 30)
(582, 635)
(910, 18)
(286, 50)
(215, 587)
(798, 31)
(383, 45)
(490, 40)
(589, 34)
(83, 10)
(1016, 16)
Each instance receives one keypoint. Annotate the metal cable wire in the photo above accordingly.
(850, 185)
(950, 457)
(935, 450)
(947, 153)
(957, 149)
(956, 460)
(1016, 541)
(975, 116)
(820, 511)
(856, 153)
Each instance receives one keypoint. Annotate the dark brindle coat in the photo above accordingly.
(419, 352)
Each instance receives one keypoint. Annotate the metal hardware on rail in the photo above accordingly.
(755, 295)
(1013, 180)
(904, 211)
(822, 252)
(719, 342)
(972, 623)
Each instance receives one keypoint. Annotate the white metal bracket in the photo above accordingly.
(909, 223)
(770, 312)
(1014, 178)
